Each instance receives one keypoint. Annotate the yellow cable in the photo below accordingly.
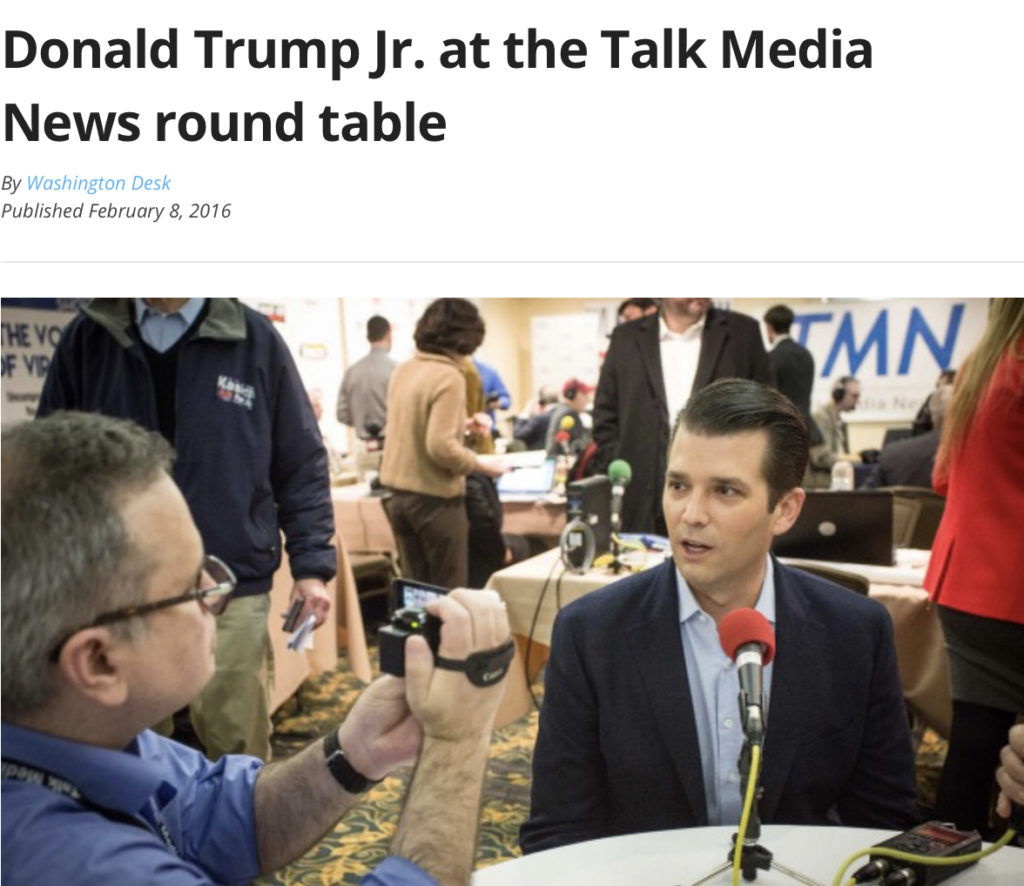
(634, 545)
(922, 859)
(748, 803)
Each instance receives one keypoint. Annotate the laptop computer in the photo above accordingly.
(894, 435)
(842, 527)
(527, 481)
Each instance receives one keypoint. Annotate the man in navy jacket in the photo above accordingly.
(640, 728)
(216, 379)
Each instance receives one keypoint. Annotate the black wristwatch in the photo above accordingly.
(338, 765)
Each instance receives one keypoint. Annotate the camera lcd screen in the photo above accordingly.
(406, 593)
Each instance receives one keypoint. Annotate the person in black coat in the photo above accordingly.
(792, 363)
(631, 407)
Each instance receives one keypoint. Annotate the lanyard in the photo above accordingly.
(15, 770)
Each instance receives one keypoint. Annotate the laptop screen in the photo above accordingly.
(528, 480)
(842, 527)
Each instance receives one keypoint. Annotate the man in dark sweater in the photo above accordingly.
(910, 462)
(217, 381)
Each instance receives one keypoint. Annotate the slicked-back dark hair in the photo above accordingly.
(450, 325)
(780, 318)
(376, 328)
(737, 406)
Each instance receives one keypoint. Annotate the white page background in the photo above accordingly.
(915, 160)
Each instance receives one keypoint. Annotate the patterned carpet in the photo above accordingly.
(361, 840)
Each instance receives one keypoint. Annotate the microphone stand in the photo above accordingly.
(616, 563)
(753, 856)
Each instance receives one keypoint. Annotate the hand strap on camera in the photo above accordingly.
(484, 668)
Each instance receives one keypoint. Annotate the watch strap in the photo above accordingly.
(343, 771)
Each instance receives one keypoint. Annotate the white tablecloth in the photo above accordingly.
(677, 858)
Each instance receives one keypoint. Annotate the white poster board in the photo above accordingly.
(566, 346)
(311, 327)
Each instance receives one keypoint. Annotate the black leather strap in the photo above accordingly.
(484, 668)
(343, 771)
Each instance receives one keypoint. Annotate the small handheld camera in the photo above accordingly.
(403, 624)
(483, 668)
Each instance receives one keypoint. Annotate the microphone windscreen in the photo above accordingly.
(619, 471)
(742, 626)
(562, 437)
(567, 423)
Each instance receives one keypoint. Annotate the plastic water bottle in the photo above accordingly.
(842, 476)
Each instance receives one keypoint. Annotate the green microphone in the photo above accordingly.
(619, 474)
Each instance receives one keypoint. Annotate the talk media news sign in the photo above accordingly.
(895, 348)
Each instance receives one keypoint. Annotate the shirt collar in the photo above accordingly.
(690, 608)
(666, 334)
(188, 311)
(118, 780)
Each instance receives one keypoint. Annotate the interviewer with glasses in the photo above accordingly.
(108, 626)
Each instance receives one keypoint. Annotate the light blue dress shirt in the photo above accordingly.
(161, 331)
(715, 688)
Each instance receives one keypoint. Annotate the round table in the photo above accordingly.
(678, 858)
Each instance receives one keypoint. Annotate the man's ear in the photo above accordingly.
(787, 509)
(92, 663)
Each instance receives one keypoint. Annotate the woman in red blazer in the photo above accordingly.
(976, 572)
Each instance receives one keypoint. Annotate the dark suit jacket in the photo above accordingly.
(631, 419)
(793, 366)
(906, 462)
(617, 750)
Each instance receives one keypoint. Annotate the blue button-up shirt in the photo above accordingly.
(715, 688)
(161, 331)
(206, 809)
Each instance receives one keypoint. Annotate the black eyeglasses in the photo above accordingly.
(214, 599)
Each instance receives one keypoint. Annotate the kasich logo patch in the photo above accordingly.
(231, 390)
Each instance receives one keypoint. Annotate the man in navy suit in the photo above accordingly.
(640, 728)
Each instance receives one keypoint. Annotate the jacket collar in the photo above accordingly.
(800, 644)
(656, 627)
(225, 319)
(439, 358)
(712, 343)
(648, 352)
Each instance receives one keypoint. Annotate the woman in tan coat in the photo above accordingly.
(425, 459)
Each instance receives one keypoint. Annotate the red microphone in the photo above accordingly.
(748, 639)
(562, 439)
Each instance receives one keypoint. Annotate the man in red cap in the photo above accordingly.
(567, 434)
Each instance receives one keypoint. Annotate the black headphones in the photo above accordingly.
(839, 388)
(570, 393)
